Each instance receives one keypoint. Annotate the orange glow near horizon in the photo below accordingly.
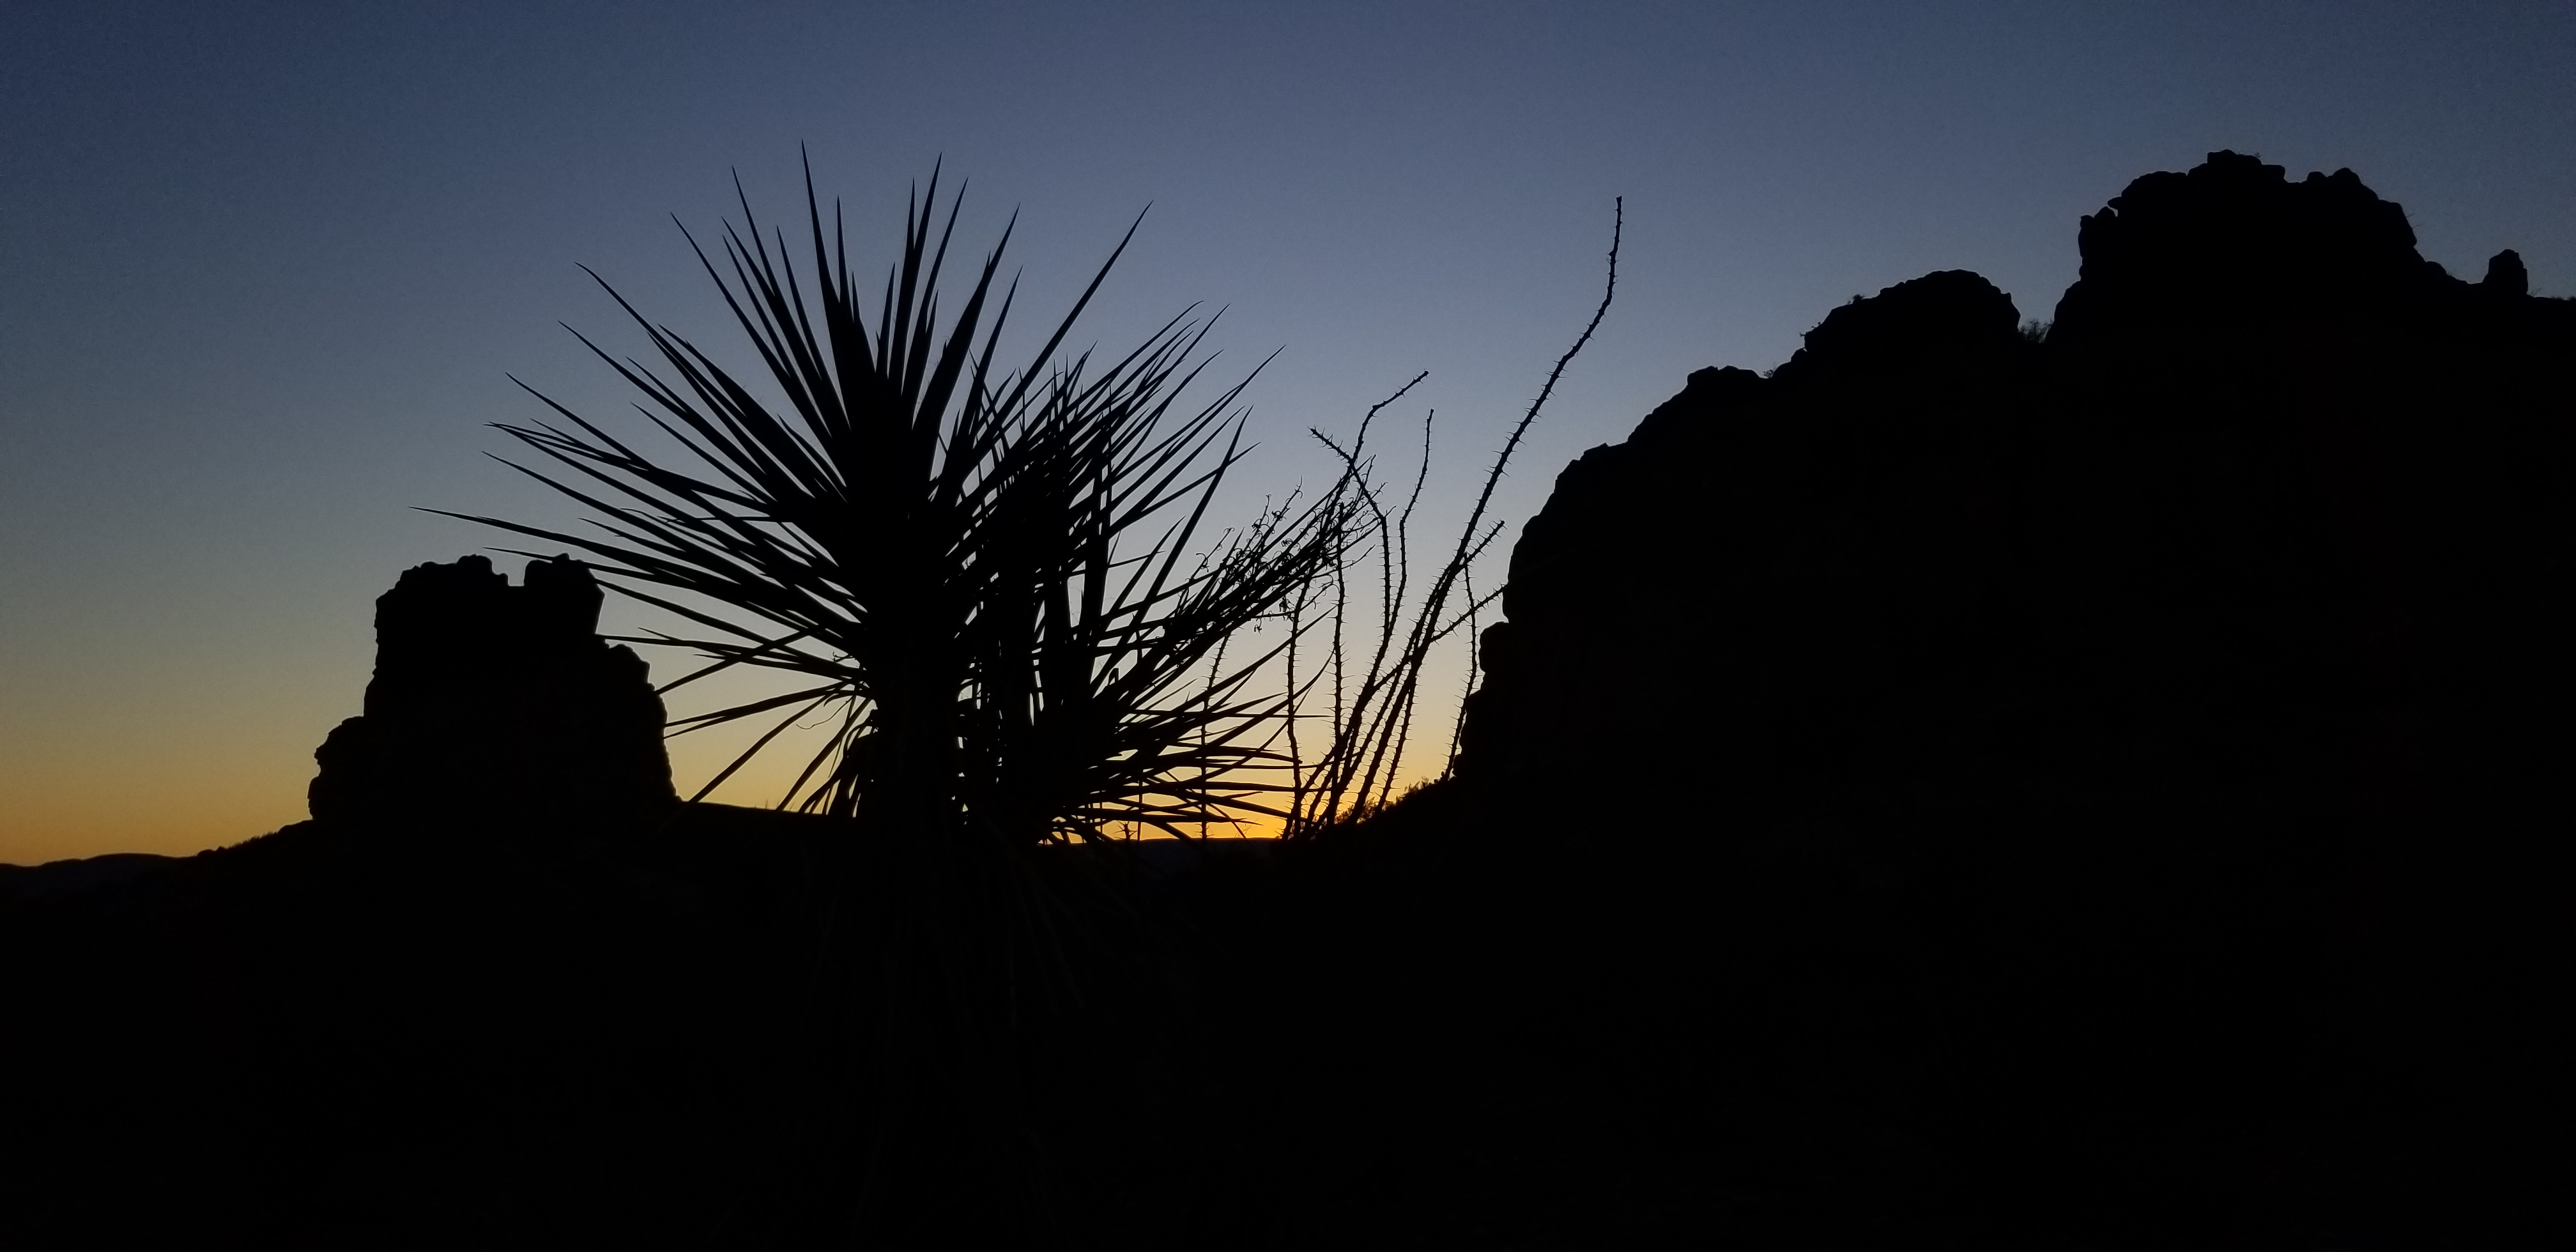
(112, 781)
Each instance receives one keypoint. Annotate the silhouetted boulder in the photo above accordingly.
(2232, 255)
(2505, 275)
(1714, 607)
(497, 702)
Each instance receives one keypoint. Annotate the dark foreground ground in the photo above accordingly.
(1430, 1032)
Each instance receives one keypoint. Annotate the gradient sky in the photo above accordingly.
(263, 267)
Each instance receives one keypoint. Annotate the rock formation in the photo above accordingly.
(2156, 719)
(496, 703)
(2272, 519)
(1714, 606)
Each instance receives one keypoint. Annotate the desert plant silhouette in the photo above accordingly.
(937, 547)
(1372, 677)
(1001, 585)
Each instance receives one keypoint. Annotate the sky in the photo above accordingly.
(265, 269)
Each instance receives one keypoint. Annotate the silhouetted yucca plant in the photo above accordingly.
(992, 580)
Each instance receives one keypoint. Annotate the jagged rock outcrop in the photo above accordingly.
(497, 703)
(2271, 519)
(2157, 719)
(1709, 609)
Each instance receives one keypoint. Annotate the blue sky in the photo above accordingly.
(263, 269)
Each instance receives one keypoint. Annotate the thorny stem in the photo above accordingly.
(1372, 725)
